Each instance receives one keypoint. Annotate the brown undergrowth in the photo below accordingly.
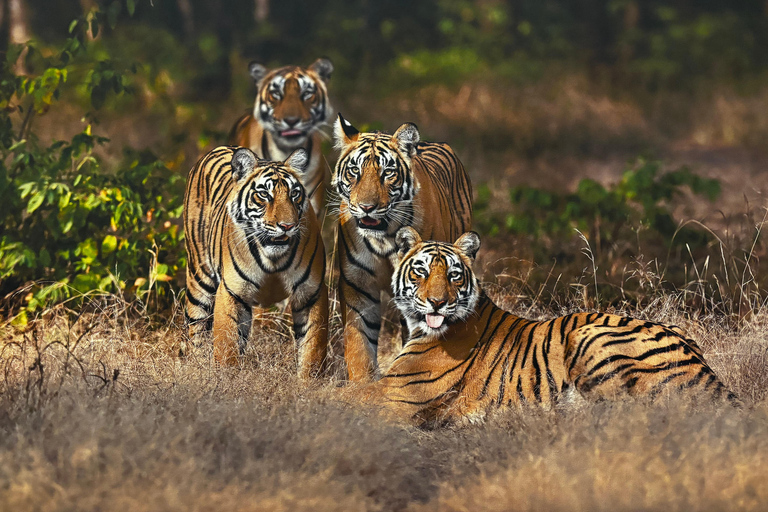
(98, 412)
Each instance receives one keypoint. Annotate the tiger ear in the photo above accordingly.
(407, 137)
(243, 163)
(298, 160)
(344, 133)
(257, 71)
(468, 244)
(405, 240)
(323, 67)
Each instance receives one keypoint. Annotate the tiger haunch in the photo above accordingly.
(290, 107)
(385, 182)
(466, 356)
(252, 240)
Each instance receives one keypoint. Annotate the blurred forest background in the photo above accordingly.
(616, 146)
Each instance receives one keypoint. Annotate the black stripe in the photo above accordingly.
(358, 289)
(374, 326)
(240, 271)
(416, 352)
(351, 258)
(305, 276)
(193, 300)
(311, 301)
(235, 296)
(537, 374)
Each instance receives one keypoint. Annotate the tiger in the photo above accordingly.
(252, 240)
(466, 356)
(385, 182)
(291, 105)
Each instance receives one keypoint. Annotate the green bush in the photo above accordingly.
(605, 215)
(70, 226)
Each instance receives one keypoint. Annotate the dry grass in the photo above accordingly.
(97, 412)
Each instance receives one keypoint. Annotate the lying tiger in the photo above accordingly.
(252, 240)
(465, 355)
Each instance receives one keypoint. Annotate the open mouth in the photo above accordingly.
(434, 321)
(278, 240)
(288, 134)
(371, 223)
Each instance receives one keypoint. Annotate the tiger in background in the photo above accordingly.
(385, 182)
(291, 105)
(252, 240)
(465, 355)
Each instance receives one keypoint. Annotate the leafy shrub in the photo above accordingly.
(70, 226)
(605, 215)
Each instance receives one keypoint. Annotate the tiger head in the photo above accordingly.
(269, 200)
(292, 101)
(373, 176)
(433, 283)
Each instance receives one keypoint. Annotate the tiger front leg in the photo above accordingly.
(362, 323)
(231, 326)
(310, 328)
(198, 308)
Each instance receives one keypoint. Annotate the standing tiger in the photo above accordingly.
(386, 182)
(291, 106)
(465, 355)
(252, 240)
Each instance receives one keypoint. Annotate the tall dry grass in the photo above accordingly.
(97, 412)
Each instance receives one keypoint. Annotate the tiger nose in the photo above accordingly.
(291, 121)
(286, 226)
(437, 303)
(367, 208)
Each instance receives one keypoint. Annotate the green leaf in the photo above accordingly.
(26, 188)
(109, 244)
(86, 282)
(17, 145)
(36, 201)
(106, 283)
(88, 248)
(131, 5)
(20, 320)
(64, 200)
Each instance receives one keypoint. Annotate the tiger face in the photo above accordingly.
(269, 200)
(373, 176)
(433, 283)
(292, 101)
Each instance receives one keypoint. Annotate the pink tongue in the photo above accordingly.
(435, 321)
(290, 133)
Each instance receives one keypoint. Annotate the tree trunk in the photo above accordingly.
(19, 31)
(188, 18)
(19, 22)
(5, 26)
(261, 10)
